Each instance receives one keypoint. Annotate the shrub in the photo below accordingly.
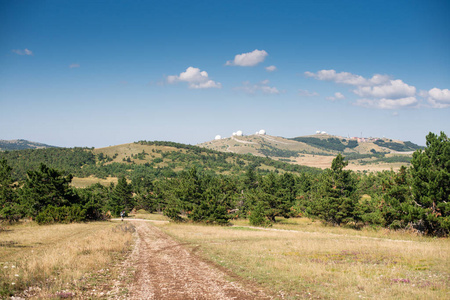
(64, 214)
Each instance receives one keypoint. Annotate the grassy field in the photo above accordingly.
(58, 261)
(304, 259)
(142, 214)
(88, 181)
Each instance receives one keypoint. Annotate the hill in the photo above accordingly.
(7, 145)
(319, 150)
(142, 159)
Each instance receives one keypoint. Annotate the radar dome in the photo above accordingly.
(218, 137)
(262, 132)
(239, 133)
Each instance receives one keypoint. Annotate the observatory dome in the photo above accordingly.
(218, 137)
(262, 132)
(239, 133)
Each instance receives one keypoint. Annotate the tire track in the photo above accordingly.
(164, 269)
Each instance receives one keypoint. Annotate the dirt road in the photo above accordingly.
(165, 269)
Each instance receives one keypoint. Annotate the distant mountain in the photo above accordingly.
(6, 145)
(319, 149)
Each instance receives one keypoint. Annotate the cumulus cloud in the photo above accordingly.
(384, 103)
(393, 89)
(249, 59)
(337, 96)
(348, 78)
(22, 52)
(74, 66)
(439, 98)
(379, 91)
(261, 87)
(306, 93)
(195, 78)
(271, 68)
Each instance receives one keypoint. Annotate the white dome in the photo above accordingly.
(218, 137)
(239, 133)
(262, 132)
(323, 132)
(234, 133)
(318, 131)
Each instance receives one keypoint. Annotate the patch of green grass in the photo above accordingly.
(242, 228)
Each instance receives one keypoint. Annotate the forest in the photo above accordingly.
(415, 198)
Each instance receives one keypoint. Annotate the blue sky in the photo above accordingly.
(100, 73)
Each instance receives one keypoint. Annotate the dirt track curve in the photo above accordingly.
(164, 269)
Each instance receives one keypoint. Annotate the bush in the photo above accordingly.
(64, 214)
(257, 216)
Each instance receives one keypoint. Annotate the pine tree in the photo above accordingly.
(121, 197)
(44, 187)
(431, 183)
(9, 206)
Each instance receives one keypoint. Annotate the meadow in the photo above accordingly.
(60, 261)
(299, 258)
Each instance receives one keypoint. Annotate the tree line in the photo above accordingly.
(415, 197)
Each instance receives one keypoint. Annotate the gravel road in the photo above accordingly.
(164, 269)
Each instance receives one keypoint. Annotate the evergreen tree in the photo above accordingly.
(336, 198)
(121, 197)
(431, 183)
(10, 209)
(44, 187)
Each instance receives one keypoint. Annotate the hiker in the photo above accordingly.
(122, 214)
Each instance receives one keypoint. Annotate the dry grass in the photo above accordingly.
(142, 214)
(42, 261)
(88, 181)
(322, 263)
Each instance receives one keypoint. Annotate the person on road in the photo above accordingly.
(122, 214)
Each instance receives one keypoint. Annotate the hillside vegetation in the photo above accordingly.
(188, 183)
(154, 159)
(6, 145)
(318, 150)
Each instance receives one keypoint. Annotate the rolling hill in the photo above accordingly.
(142, 159)
(7, 145)
(319, 150)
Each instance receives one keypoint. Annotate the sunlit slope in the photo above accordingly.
(148, 159)
(370, 154)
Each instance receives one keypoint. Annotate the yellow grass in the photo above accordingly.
(88, 181)
(45, 260)
(142, 214)
(320, 263)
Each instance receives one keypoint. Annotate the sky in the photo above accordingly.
(100, 73)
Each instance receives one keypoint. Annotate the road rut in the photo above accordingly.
(164, 269)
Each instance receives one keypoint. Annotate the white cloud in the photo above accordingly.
(306, 93)
(379, 91)
(22, 52)
(249, 59)
(262, 87)
(337, 96)
(387, 103)
(271, 68)
(195, 78)
(394, 89)
(348, 78)
(439, 98)
(74, 66)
